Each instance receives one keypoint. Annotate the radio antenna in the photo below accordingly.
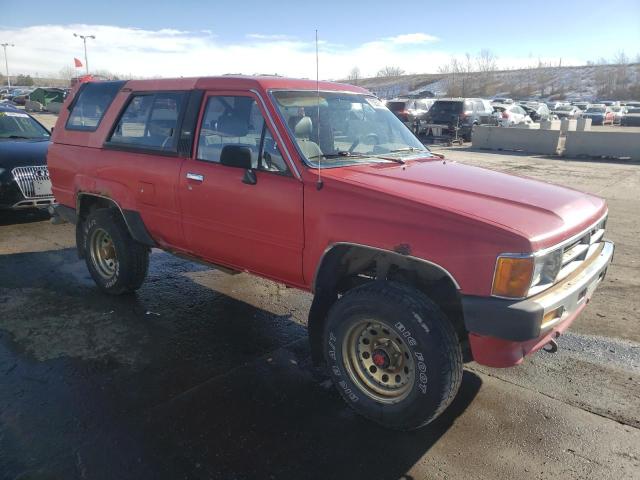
(319, 182)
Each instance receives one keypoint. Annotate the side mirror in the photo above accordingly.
(236, 156)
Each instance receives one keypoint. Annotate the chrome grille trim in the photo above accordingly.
(25, 176)
(581, 249)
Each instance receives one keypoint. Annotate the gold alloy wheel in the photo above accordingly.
(103, 253)
(378, 361)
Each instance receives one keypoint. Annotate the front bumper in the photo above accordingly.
(18, 190)
(503, 332)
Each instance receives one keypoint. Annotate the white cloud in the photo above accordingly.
(45, 49)
(412, 38)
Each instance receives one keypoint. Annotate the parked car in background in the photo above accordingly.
(555, 105)
(581, 105)
(412, 112)
(608, 103)
(501, 100)
(461, 113)
(632, 117)
(508, 115)
(24, 178)
(618, 113)
(599, 115)
(567, 111)
(536, 111)
(415, 264)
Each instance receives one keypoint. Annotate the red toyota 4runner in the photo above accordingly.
(413, 260)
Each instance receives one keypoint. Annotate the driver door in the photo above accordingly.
(226, 220)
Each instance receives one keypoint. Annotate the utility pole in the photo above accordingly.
(84, 40)
(6, 60)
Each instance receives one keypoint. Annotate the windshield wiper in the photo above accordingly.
(346, 154)
(339, 154)
(408, 149)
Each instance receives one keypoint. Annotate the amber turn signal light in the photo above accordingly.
(513, 276)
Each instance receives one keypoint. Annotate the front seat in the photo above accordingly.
(302, 132)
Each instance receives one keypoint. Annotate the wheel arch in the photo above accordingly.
(346, 265)
(87, 202)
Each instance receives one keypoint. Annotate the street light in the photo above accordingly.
(84, 39)
(6, 60)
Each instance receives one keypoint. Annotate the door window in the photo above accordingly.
(150, 121)
(237, 120)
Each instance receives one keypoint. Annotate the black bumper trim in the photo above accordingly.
(516, 320)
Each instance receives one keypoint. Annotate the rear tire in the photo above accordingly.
(117, 263)
(393, 355)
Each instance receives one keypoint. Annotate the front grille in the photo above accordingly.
(25, 178)
(581, 249)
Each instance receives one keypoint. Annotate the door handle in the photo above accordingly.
(195, 176)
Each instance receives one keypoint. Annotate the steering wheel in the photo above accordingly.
(362, 137)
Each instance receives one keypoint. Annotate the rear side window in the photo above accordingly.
(150, 121)
(90, 105)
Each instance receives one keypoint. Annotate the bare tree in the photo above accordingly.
(486, 61)
(67, 73)
(354, 75)
(390, 71)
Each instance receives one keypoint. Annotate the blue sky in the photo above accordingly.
(518, 33)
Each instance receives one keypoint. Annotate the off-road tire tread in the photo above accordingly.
(415, 300)
(137, 254)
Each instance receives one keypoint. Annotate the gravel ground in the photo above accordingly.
(204, 375)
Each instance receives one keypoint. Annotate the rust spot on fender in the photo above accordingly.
(402, 249)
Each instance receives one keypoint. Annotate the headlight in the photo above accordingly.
(518, 276)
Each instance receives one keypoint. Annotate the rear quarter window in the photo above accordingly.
(90, 105)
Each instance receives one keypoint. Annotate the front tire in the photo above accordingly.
(393, 355)
(117, 263)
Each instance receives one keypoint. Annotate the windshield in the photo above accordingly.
(446, 108)
(565, 108)
(595, 110)
(335, 129)
(21, 125)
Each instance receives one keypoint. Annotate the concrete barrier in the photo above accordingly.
(568, 125)
(550, 124)
(610, 144)
(521, 139)
(584, 125)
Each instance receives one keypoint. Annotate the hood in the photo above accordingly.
(543, 213)
(21, 153)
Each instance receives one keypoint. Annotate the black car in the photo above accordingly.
(24, 177)
(461, 113)
(632, 117)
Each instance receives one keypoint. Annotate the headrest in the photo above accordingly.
(232, 126)
(304, 128)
